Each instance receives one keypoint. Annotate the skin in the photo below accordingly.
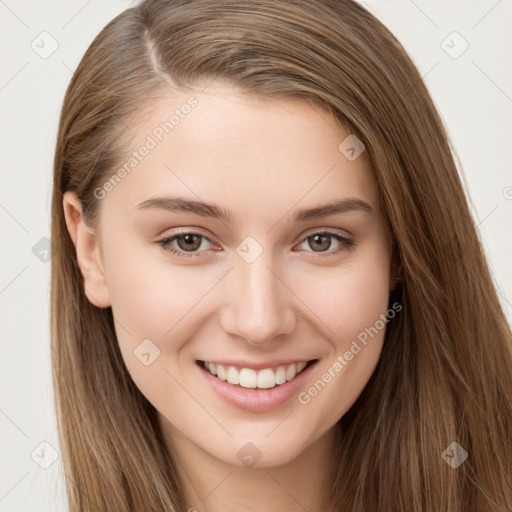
(262, 160)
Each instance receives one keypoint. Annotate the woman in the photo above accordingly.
(267, 289)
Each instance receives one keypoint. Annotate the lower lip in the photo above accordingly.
(254, 399)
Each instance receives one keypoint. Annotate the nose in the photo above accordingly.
(259, 303)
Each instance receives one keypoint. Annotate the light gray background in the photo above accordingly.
(473, 93)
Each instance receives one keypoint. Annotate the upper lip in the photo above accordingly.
(241, 363)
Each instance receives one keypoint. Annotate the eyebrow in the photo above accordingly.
(180, 204)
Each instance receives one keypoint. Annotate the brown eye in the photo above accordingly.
(322, 241)
(189, 242)
(184, 244)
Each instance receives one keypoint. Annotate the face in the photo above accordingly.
(213, 247)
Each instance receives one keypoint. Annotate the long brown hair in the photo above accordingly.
(445, 373)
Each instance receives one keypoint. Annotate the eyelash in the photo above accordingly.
(346, 243)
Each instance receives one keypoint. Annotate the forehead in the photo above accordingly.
(252, 155)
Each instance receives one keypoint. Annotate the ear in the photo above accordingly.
(87, 252)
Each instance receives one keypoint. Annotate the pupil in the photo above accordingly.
(189, 242)
(317, 240)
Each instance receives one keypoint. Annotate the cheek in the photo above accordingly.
(155, 299)
(350, 297)
(147, 294)
(351, 300)
(353, 303)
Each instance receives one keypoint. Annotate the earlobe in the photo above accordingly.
(87, 252)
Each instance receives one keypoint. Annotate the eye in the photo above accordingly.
(321, 242)
(188, 244)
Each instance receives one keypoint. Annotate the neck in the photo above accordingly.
(211, 485)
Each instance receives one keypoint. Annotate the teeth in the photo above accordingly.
(301, 366)
(221, 372)
(266, 379)
(249, 378)
(280, 375)
(233, 375)
(291, 372)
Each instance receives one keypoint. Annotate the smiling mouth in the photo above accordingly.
(266, 378)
